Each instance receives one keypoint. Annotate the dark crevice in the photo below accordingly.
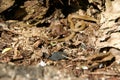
(10, 12)
(65, 6)
(105, 49)
(43, 24)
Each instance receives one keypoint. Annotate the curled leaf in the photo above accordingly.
(6, 50)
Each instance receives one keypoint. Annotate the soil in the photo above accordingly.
(59, 40)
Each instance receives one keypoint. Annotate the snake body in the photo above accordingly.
(72, 26)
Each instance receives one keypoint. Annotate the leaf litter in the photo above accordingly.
(84, 42)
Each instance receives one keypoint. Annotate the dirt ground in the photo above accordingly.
(59, 40)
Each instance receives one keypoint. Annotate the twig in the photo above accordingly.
(105, 73)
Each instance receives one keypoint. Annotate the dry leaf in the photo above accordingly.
(6, 50)
(116, 53)
(100, 60)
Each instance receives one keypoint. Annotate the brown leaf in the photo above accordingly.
(104, 59)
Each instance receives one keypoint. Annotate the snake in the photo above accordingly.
(72, 26)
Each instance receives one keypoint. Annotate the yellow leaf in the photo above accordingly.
(6, 50)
